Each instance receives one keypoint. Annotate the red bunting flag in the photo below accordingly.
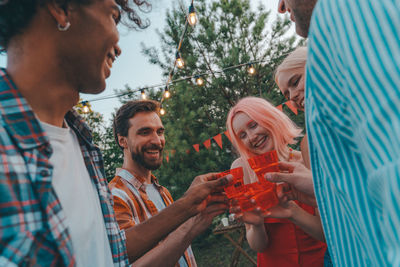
(187, 151)
(290, 105)
(227, 135)
(207, 143)
(166, 154)
(196, 147)
(218, 140)
(279, 107)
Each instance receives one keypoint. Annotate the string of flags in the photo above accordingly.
(218, 138)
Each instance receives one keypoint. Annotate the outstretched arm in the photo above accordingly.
(194, 201)
(168, 252)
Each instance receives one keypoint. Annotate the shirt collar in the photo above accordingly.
(77, 123)
(21, 122)
(19, 119)
(137, 182)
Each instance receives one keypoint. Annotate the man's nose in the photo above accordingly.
(281, 6)
(157, 139)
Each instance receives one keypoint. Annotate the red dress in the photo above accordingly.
(289, 246)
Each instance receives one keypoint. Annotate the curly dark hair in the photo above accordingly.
(15, 15)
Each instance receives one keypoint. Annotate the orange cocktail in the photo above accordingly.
(261, 164)
(236, 187)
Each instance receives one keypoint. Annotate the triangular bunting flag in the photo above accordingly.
(218, 140)
(166, 154)
(279, 107)
(187, 151)
(290, 105)
(196, 147)
(207, 143)
(227, 135)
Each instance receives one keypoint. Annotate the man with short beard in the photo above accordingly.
(353, 120)
(139, 133)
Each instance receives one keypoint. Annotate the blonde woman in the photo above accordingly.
(290, 78)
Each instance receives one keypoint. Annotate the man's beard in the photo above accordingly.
(139, 158)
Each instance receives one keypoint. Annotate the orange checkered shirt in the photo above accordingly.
(132, 205)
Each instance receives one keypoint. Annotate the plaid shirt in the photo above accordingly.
(132, 205)
(32, 221)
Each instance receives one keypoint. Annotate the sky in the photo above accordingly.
(132, 67)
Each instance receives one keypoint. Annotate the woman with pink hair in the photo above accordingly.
(291, 237)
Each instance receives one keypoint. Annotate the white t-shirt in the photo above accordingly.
(79, 199)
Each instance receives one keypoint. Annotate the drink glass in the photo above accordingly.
(262, 164)
(236, 187)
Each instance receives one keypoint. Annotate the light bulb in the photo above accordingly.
(251, 70)
(167, 94)
(199, 81)
(143, 95)
(85, 109)
(179, 62)
(162, 111)
(192, 18)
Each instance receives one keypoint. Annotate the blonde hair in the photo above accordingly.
(283, 130)
(294, 61)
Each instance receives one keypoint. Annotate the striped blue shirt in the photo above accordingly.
(353, 120)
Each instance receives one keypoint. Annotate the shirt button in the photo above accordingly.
(44, 173)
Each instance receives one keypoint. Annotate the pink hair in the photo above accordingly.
(283, 130)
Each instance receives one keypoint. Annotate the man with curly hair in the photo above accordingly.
(55, 207)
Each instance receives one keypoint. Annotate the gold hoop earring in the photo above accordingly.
(63, 28)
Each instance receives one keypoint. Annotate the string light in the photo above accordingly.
(199, 80)
(191, 77)
(162, 111)
(192, 18)
(167, 94)
(251, 70)
(85, 107)
(179, 61)
(143, 95)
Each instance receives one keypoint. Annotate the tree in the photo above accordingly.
(228, 33)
